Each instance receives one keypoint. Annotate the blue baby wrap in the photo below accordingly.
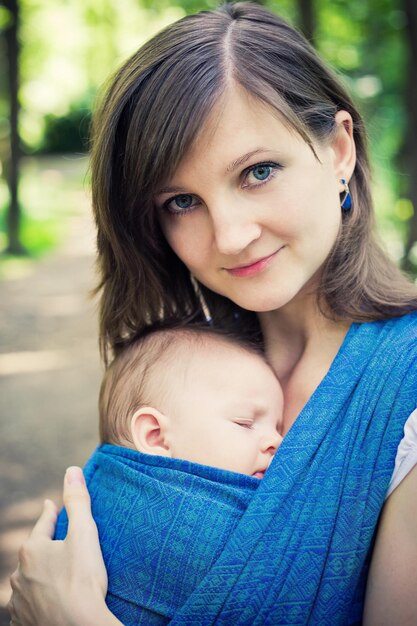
(290, 549)
(162, 524)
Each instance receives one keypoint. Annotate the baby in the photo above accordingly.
(194, 394)
(189, 423)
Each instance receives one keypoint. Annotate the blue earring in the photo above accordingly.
(347, 198)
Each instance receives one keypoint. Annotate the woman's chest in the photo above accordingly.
(300, 384)
(300, 374)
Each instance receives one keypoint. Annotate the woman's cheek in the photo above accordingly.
(188, 238)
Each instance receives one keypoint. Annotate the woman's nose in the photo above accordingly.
(234, 230)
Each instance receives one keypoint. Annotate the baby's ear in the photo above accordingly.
(148, 429)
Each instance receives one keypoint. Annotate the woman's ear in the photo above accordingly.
(343, 146)
(148, 429)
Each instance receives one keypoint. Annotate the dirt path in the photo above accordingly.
(49, 379)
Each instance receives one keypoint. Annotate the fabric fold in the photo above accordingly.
(194, 546)
(300, 553)
(162, 524)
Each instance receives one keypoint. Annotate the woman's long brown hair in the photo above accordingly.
(152, 113)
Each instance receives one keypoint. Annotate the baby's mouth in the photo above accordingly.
(258, 475)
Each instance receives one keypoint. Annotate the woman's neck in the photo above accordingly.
(301, 344)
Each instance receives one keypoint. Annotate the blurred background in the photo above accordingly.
(54, 56)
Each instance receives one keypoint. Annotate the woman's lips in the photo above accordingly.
(245, 271)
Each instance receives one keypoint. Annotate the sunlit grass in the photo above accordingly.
(51, 190)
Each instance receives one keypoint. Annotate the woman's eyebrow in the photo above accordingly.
(244, 158)
(169, 190)
(230, 168)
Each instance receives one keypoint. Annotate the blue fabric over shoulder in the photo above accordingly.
(300, 553)
(204, 546)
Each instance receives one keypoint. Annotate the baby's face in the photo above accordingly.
(227, 411)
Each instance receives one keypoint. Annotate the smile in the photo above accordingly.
(251, 269)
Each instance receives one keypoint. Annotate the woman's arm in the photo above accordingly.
(391, 596)
(62, 583)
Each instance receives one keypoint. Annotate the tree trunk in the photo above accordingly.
(410, 148)
(307, 18)
(12, 167)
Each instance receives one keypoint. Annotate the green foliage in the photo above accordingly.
(188, 6)
(365, 41)
(5, 18)
(66, 133)
(37, 236)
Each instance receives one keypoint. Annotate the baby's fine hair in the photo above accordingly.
(142, 374)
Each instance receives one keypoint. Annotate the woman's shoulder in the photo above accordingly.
(394, 337)
(398, 345)
(383, 353)
(403, 333)
(404, 323)
(400, 332)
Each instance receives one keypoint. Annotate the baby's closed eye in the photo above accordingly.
(244, 423)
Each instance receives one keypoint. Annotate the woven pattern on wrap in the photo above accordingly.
(299, 555)
(212, 547)
(162, 524)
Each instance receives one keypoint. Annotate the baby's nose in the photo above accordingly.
(273, 442)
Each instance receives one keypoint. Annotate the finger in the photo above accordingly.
(14, 581)
(77, 501)
(10, 607)
(11, 611)
(45, 526)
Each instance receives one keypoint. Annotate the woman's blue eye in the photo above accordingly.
(261, 172)
(180, 204)
(184, 201)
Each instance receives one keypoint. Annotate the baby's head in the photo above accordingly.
(196, 394)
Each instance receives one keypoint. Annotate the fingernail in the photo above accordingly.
(50, 504)
(74, 476)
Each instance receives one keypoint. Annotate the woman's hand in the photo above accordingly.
(62, 583)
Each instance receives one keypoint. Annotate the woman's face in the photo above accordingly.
(251, 211)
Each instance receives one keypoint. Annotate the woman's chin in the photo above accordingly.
(273, 295)
(261, 296)
(265, 304)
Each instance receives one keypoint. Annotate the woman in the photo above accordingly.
(230, 179)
